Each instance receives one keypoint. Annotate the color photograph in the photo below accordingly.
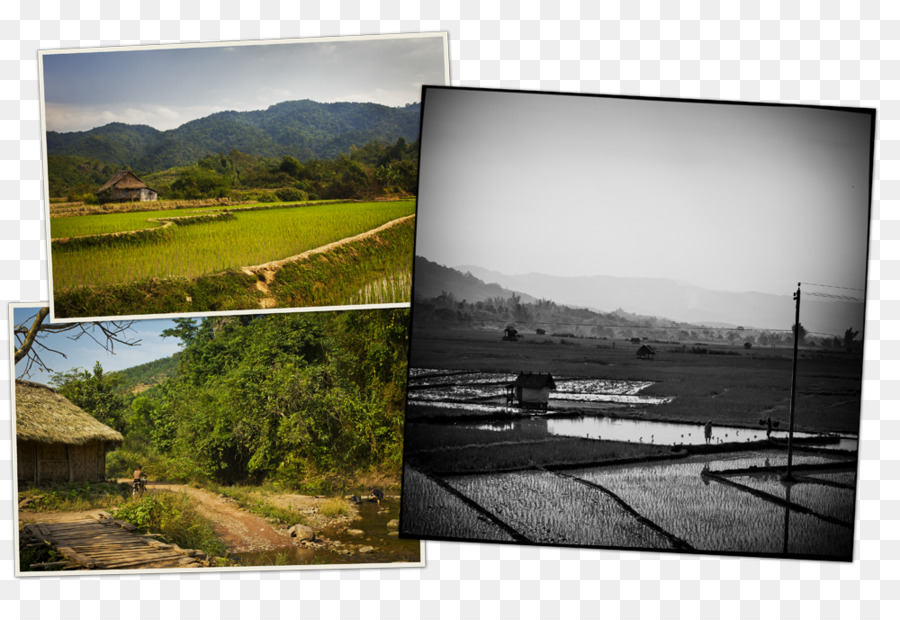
(226, 442)
(233, 177)
(638, 323)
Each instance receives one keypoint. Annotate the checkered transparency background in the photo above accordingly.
(837, 54)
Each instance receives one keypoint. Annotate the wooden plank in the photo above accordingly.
(70, 554)
(52, 565)
(165, 558)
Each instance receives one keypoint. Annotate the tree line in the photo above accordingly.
(556, 319)
(296, 399)
(373, 170)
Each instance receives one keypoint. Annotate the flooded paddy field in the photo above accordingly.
(455, 387)
(665, 505)
(487, 469)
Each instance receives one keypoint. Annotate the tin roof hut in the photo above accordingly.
(56, 441)
(125, 186)
(531, 389)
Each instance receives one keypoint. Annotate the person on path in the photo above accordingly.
(137, 484)
(707, 431)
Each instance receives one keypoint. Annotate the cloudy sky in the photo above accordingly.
(725, 196)
(84, 352)
(165, 88)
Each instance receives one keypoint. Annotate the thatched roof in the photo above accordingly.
(123, 180)
(46, 416)
(535, 380)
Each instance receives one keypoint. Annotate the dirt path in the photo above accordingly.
(239, 529)
(266, 272)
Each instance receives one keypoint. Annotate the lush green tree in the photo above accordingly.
(95, 392)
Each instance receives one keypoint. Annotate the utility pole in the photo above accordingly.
(788, 477)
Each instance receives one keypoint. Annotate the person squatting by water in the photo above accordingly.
(707, 431)
(376, 495)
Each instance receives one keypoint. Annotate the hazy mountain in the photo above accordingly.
(432, 280)
(682, 301)
(301, 129)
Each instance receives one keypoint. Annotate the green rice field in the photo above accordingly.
(253, 237)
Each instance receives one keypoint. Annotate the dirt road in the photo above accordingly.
(240, 530)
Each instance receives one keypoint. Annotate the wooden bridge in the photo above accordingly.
(104, 543)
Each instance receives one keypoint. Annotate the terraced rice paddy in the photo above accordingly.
(716, 517)
(822, 499)
(423, 500)
(550, 509)
(251, 238)
(564, 487)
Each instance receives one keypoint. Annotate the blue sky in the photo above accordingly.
(165, 88)
(84, 353)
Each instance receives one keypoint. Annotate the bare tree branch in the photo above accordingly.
(29, 332)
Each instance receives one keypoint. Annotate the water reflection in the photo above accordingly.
(643, 431)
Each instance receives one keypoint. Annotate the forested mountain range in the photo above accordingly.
(300, 129)
(683, 301)
(653, 308)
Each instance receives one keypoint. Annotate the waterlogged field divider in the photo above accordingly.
(515, 534)
(825, 482)
(718, 477)
(160, 233)
(677, 543)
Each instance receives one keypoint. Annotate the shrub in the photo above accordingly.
(333, 507)
(175, 517)
(291, 194)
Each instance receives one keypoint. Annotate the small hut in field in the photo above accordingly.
(531, 389)
(125, 186)
(56, 441)
(646, 352)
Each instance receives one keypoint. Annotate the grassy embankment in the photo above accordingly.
(71, 497)
(736, 387)
(196, 268)
(175, 517)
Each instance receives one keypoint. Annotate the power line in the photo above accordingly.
(844, 288)
(841, 297)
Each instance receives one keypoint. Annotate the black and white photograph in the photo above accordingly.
(638, 323)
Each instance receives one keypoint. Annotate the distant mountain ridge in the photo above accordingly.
(302, 129)
(681, 301)
(433, 280)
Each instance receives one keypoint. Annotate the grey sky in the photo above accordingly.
(730, 197)
(84, 352)
(165, 88)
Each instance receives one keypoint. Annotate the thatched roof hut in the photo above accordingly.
(56, 441)
(125, 186)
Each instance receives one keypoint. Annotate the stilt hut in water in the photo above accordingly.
(531, 389)
(56, 441)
